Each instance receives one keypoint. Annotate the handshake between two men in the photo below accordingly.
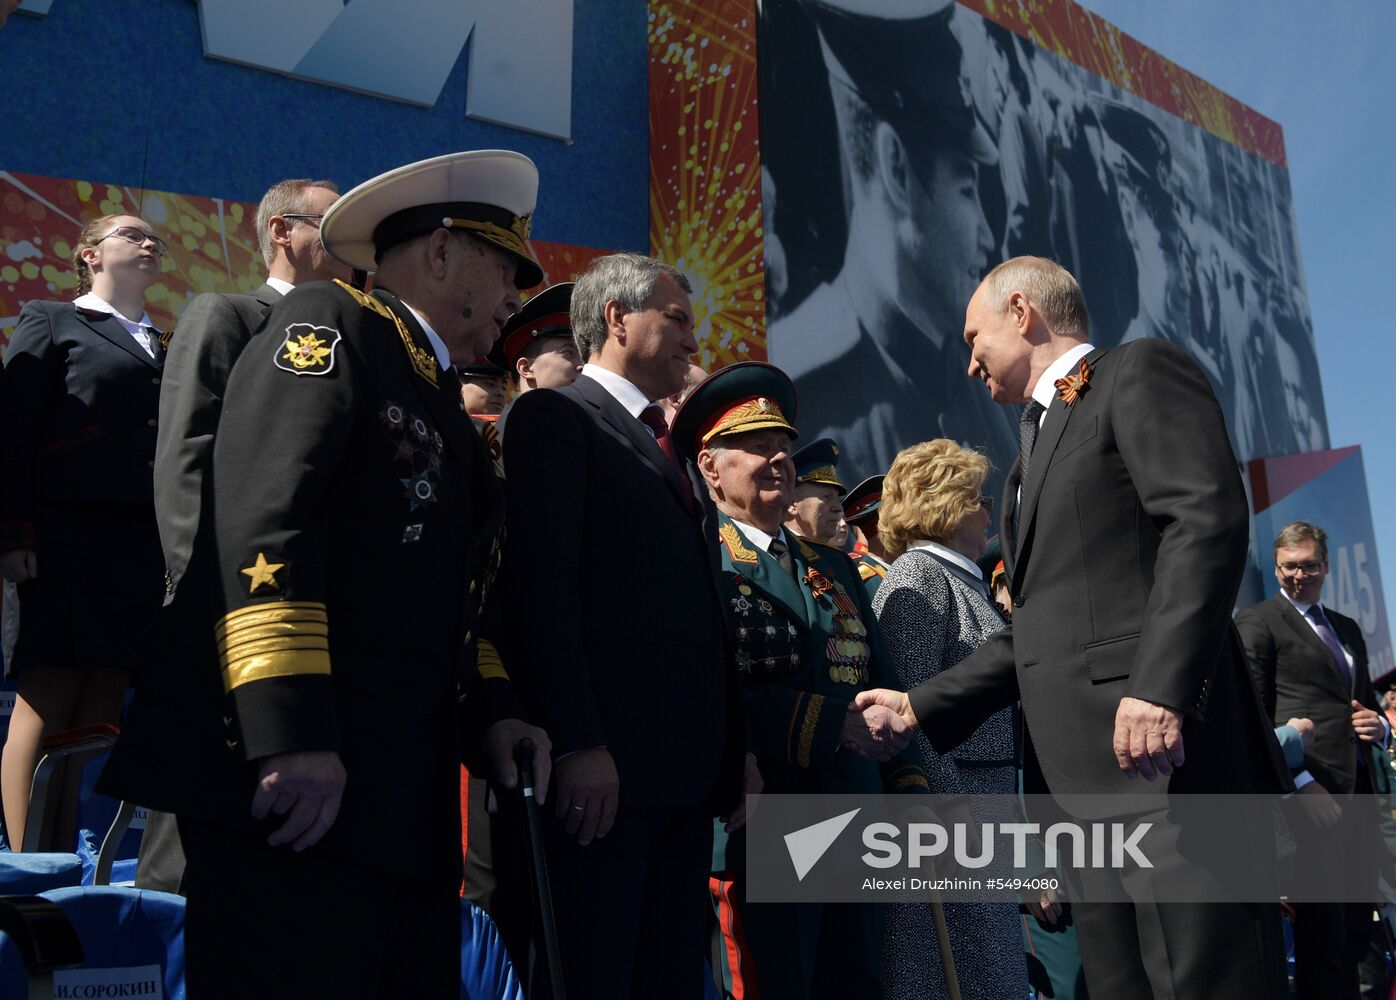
(1147, 741)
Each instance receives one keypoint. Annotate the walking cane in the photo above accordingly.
(947, 960)
(523, 756)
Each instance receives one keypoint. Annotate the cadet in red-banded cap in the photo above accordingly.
(536, 347)
(806, 642)
(860, 507)
(356, 524)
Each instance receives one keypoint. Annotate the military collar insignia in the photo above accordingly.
(809, 553)
(1073, 387)
(306, 349)
(424, 363)
(736, 548)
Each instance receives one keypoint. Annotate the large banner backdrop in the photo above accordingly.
(908, 145)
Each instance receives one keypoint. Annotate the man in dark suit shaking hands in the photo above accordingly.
(617, 640)
(1308, 660)
(1125, 528)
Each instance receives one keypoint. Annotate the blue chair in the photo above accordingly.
(485, 970)
(128, 936)
(31, 874)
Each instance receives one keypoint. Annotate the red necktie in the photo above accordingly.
(652, 417)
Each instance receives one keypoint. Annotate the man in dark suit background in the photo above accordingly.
(1309, 660)
(1127, 531)
(617, 640)
(211, 333)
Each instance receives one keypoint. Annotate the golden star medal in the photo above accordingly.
(262, 572)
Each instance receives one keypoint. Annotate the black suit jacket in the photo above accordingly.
(616, 632)
(1133, 536)
(1296, 678)
(210, 335)
(79, 406)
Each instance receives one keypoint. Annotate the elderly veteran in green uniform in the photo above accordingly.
(860, 507)
(806, 642)
(355, 533)
(815, 508)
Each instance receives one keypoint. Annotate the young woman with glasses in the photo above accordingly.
(79, 403)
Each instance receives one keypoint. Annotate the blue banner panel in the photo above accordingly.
(122, 92)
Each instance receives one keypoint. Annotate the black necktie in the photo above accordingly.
(781, 552)
(1028, 426)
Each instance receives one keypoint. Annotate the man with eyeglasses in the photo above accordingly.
(1309, 660)
(211, 333)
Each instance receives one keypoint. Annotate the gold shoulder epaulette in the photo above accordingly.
(736, 548)
(423, 362)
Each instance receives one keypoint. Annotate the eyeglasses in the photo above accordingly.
(302, 215)
(986, 503)
(137, 236)
(1309, 568)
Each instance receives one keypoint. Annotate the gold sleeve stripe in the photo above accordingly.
(816, 704)
(487, 661)
(278, 639)
(273, 611)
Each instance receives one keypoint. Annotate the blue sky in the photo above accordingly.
(1323, 70)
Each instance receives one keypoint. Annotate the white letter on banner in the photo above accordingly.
(882, 837)
(918, 850)
(405, 50)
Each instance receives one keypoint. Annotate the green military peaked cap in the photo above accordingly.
(747, 396)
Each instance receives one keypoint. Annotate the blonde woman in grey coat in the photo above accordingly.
(935, 609)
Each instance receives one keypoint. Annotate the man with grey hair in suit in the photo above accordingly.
(211, 333)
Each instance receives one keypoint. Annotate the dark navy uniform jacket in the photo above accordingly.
(356, 515)
(79, 408)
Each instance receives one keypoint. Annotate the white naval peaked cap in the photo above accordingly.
(488, 192)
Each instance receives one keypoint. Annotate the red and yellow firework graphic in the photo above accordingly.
(705, 168)
(213, 243)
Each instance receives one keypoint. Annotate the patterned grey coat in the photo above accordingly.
(933, 614)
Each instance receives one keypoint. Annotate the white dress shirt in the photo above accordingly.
(139, 329)
(284, 287)
(624, 391)
(1046, 388)
(759, 538)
